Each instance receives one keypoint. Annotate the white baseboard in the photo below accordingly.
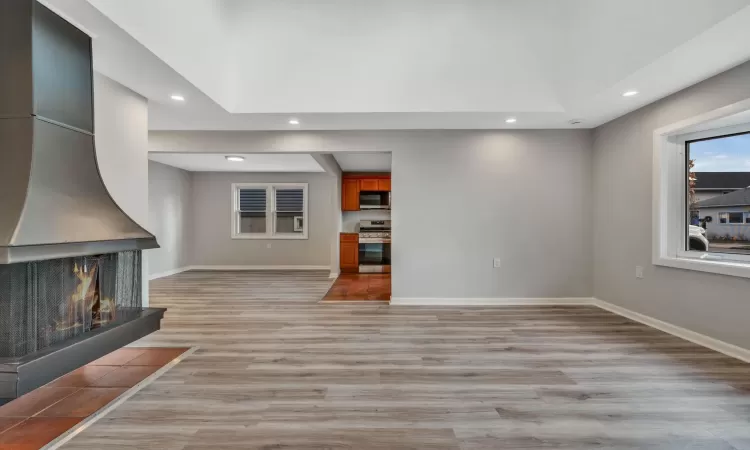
(333, 275)
(410, 301)
(731, 350)
(697, 338)
(210, 267)
(167, 273)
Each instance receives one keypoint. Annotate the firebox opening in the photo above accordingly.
(46, 302)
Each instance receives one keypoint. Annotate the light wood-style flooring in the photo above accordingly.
(278, 370)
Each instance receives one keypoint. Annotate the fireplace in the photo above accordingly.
(70, 257)
(57, 315)
(47, 302)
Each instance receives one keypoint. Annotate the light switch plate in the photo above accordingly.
(639, 272)
(496, 263)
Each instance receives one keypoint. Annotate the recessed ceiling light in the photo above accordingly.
(293, 121)
(510, 120)
(629, 93)
(178, 98)
(235, 158)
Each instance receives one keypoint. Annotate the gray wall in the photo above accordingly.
(715, 305)
(211, 220)
(170, 216)
(121, 121)
(460, 198)
(523, 196)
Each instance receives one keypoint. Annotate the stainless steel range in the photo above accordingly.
(374, 246)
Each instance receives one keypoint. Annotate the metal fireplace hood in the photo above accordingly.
(53, 201)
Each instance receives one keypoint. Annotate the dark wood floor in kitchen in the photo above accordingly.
(360, 287)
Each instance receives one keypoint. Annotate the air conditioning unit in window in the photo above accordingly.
(298, 223)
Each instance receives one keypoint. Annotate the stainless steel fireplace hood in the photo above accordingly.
(53, 202)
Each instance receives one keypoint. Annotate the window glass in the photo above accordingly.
(290, 207)
(735, 217)
(252, 211)
(718, 194)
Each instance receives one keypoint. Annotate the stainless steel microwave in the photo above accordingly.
(374, 200)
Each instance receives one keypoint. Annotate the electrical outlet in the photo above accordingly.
(496, 263)
(268, 245)
(639, 272)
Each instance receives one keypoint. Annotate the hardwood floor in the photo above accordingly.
(360, 287)
(275, 369)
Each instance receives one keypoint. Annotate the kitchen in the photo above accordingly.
(365, 240)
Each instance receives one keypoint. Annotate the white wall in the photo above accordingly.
(211, 221)
(523, 196)
(170, 216)
(714, 305)
(195, 27)
(121, 128)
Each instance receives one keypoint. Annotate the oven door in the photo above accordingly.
(374, 255)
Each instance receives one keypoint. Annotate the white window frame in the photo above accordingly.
(670, 209)
(270, 211)
(728, 213)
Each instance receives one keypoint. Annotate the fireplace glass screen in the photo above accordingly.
(46, 302)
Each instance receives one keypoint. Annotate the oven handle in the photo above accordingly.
(374, 241)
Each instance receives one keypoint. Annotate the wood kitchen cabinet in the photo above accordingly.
(368, 184)
(350, 194)
(349, 252)
(384, 184)
(354, 183)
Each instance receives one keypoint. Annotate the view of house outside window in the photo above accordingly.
(718, 194)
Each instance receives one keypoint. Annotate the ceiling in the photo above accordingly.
(254, 162)
(364, 161)
(407, 64)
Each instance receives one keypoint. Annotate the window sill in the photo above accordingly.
(729, 268)
(269, 238)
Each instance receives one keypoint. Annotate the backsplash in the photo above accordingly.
(350, 219)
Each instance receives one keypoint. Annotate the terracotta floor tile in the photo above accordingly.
(118, 357)
(35, 401)
(83, 403)
(7, 422)
(82, 377)
(126, 376)
(36, 432)
(157, 356)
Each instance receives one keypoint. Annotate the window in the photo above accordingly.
(701, 193)
(269, 211)
(719, 162)
(732, 218)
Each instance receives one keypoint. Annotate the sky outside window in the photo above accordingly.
(729, 154)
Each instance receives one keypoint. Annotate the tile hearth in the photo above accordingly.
(39, 417)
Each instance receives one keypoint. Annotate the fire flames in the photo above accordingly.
(85, 306)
